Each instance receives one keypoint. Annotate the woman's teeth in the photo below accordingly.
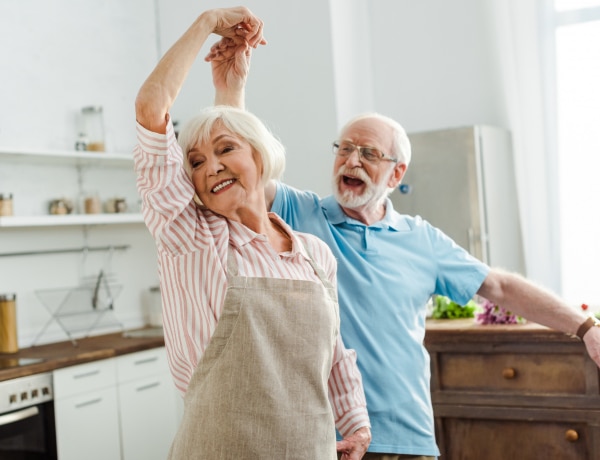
(222, 185)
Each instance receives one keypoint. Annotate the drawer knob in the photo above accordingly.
(509, 373)
(571, 435)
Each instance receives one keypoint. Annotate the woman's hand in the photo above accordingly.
(354, 446)
(237, 22)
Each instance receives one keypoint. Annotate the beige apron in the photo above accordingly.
(260, 389)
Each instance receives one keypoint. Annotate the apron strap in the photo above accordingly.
(318, 270)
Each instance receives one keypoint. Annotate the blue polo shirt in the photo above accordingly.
(386, 274)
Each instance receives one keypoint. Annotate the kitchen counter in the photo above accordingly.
(63, 354)
(468, 329)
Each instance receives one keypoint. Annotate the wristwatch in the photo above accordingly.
(586, 326)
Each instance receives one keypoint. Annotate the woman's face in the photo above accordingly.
(226, 173)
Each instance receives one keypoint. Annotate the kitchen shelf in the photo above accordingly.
(70, 219)
(82, 158)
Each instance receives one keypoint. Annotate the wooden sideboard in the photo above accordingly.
(512, 392)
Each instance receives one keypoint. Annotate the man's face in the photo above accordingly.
(358, 183)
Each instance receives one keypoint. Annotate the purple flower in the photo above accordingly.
(494, 314)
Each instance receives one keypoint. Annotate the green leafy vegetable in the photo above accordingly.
(444, 308)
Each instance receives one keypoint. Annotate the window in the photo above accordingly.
(577, 63)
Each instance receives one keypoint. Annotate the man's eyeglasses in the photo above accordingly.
(345, 149)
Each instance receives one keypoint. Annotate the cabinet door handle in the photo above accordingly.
(571, 435)
(151, 359)
(148, 387)
(509, 373)
(86, 374)
(88, 403)
(18, 416)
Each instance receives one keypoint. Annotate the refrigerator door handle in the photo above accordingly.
(471, 240)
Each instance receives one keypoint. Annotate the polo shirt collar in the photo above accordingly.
(391, 220)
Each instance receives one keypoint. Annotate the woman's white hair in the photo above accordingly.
(241, 123)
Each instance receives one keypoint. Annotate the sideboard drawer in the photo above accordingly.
(534, 373)
(490, 439)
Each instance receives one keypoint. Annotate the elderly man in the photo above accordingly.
(389, 266)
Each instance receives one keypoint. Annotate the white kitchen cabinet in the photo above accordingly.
(123, 408)
(86, 411)
(148, 405)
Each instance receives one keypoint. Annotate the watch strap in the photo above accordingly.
(586, 326)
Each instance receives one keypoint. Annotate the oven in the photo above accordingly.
(27, 429)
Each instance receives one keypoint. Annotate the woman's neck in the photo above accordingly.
(279, 238)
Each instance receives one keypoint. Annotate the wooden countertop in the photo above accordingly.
(467, 330)
(63, 354)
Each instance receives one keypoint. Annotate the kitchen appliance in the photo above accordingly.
(27, 428)
(462, 181)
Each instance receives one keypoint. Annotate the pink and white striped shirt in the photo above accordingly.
(192, 248)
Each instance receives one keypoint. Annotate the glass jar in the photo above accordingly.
(93, 128)
(6, 204)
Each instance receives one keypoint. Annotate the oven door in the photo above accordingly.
(28, 433)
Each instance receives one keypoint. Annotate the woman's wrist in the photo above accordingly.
(208, 21)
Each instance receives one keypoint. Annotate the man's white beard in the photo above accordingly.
(373, 194)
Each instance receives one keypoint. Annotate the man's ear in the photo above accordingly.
(397, 175)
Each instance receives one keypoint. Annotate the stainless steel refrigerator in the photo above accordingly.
(462, 181)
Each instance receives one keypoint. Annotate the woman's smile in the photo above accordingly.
(223, 185)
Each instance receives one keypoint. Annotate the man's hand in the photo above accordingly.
(230, 62)
(592, 344)
(354, 446)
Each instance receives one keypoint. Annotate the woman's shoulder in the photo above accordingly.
(316, 246)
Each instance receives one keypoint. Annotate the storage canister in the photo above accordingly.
(93, 128)
(6, 204)
(8, 324)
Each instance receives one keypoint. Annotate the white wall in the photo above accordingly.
(61, 55)
(434, 64)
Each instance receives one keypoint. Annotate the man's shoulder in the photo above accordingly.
(300, 202)
(288, 192)
(407, 222)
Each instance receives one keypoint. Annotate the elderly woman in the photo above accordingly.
(249, 306)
